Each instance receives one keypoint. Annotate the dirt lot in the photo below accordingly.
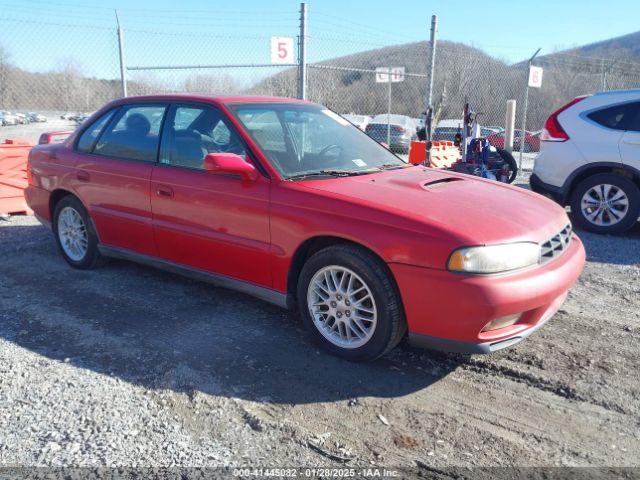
(130, 366)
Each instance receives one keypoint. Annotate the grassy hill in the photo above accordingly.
(465, 72)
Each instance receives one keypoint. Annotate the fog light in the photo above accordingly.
(502, 322)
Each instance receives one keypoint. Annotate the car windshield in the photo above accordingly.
(310, 141)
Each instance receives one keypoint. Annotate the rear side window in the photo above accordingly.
(616, 117)
(91, 134)
(133, 134)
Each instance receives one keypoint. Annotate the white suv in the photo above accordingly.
(590, 159)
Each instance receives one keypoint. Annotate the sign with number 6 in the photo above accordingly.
(535, 77)
(282, 50)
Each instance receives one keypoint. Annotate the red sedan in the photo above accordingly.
(531, 141)
(287, 201)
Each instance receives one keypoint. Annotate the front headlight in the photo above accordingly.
(494, 258)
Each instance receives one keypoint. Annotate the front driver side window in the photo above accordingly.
(193, 132)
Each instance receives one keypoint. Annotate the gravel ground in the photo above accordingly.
(130, 366)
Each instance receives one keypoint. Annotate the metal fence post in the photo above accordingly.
(389, 110)
(302, 54)
(123, 78)
(432, 63)
(524, 110)
(510, 122)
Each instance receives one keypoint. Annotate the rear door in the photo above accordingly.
(212, 222)
(630, 142)
(600, 138)
(114, 173)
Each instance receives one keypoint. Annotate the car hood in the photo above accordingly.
(474, 210)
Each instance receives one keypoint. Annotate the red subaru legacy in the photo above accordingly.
(287, 201)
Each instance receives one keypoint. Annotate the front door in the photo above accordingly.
(216, 223)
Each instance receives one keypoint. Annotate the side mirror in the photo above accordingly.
(230, 163)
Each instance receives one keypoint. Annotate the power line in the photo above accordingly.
(214, 11)
(350, 24)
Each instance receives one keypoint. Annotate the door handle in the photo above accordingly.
(83, 176)
(164, 191)
(632, 142)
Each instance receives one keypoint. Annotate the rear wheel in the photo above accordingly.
(350, 303)
(75, 236)
(606, 203)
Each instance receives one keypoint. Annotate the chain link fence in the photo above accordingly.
(37, 73)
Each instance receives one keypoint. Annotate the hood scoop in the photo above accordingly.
(440, 182)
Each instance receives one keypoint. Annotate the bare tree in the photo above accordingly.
(4, 75)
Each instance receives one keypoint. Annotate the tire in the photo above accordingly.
(75, 235)
(527, 148)
(615, 217)
(379, 332)
(511, 162)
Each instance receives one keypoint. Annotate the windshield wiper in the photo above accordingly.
(330, 173)
(394, 166)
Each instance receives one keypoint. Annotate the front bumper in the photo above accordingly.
(447, 311)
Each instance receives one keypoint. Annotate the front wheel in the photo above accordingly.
(76, 239)
(606, 203)
(350, 303)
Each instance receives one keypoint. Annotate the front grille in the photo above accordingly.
(556, 244)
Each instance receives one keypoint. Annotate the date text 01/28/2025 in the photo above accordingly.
(368, 472)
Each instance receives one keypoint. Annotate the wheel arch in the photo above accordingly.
(55, 197)
(314, 244)
(587, 171)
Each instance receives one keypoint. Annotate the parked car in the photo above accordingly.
(287, 201)
(22, 118)
(590, 159)
(8, 118)
(448, 129)
(402, 130)
(360, 121)
(36, 117)
(531, 140)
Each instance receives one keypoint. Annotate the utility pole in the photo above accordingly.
(123, 78)
(524, 110)
(430, 74)
(302, 53)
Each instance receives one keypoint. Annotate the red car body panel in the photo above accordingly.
(533, 140)
(413, 219)
(212, 222)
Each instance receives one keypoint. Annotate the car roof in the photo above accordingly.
(449, 123)
(623, 91)
(203, 97)
(393, 117)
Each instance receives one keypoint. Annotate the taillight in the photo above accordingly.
(396, 129)
(553, 131)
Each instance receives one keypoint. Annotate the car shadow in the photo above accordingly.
(620, 249)
(162, 331)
